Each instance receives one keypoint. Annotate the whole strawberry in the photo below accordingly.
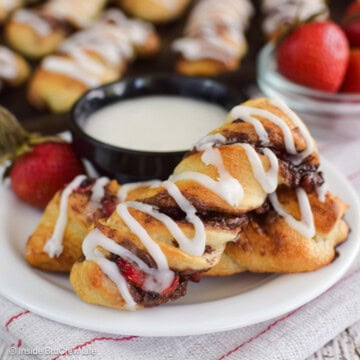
(39, 166)
(38, 174)
(314, 55)
(351, 23)
(352, 77)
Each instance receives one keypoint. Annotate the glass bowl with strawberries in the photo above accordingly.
(314, 70)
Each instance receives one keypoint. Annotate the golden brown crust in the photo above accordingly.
(92, 286)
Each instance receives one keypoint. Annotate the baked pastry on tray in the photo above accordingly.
(14, 70)
(253, 183)
(39, 31)
(156, 11)
(214, 40)
(90, 58)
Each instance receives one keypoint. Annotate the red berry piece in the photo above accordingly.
(314, 55)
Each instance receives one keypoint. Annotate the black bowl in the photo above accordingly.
(132, 165)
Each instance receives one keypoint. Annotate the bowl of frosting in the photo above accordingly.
(139, 128)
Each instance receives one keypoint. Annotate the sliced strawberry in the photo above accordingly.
(131, 272)
(108, 205)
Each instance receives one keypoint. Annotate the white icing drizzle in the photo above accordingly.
(194, 246)
(267, 179)
(226, 186)
(306, 225)
(8, 68)
(98, 189)
(283, 12)
(53, 247)
(126, 188)
(321, 191)
(138, 31)
(210, 141)
(34, 20)
(92, 53)
(68, 67)
(309, 142)
(202, 37)
(152, 247)
(247, 113)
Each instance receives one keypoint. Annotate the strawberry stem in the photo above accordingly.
(15, 140)
(12, 135)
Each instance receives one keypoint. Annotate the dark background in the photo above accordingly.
(15, 98)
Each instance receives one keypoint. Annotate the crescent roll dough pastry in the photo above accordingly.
(14, 70)
(280, 14)
(258, 171)
(156, 11)
(268, 242)
(90, 58)
(39, 31)
(214, 39)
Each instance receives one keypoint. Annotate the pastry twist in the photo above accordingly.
(39, 31)
(146, 251)
(90, 58)
(214, 39)
(156, 11)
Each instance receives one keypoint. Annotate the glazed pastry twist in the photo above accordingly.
(56, 242)
(90, 58)
(156, 11)
(39, 31)
(144, 254)
(214, 39)
(279, 14)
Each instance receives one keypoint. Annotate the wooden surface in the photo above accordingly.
(346, 346)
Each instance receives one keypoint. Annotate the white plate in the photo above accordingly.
(210, 306)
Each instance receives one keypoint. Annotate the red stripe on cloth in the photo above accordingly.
(269, 327)
(91, 341)
(14, 317)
